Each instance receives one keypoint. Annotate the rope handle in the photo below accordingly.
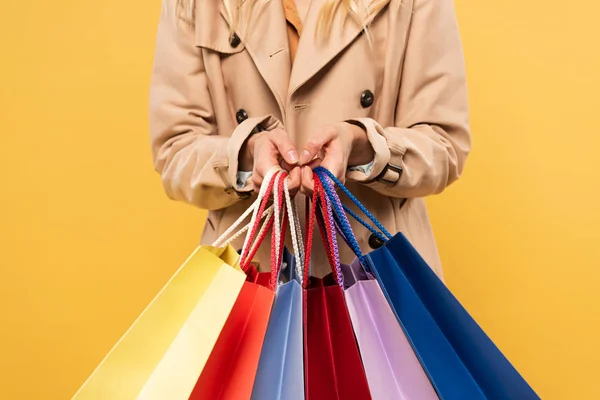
(277, 236)
(310, 228)
(324, 234)
(329, 241)
(386, 235)
(342, 220)
(229, 236)
(266, 186)
(327, 228)
(260, 239)
(267, 214)
(295, 230)
(246, 257)
(264, 228)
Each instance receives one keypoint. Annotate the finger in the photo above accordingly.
(257, 180)
(308, 183)
(265, 161)
(336, 164)
(316, 143)
(285, 146)
(295, 179)
(261, 168)
(287, 166)
(314, 163)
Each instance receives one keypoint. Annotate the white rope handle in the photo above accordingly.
(253, 208)
(299, 232)
(261, 195)
(294, 229)
(267, 214)
(264, 226)
(277, 227)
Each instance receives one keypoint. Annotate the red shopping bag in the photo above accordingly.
(333, 367)
(231, 368)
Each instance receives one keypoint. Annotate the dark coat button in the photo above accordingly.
(375, 242)
(366, 99)
(241, 115)
(235, 40)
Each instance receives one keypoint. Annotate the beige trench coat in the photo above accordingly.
(407, 88)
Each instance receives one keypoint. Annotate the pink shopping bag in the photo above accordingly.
(392, 367)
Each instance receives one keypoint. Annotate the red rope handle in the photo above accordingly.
(276, 263)
(324, 235)
(262, 237)
(333, 255)
(310, 222)
(318, 197)
(325, 228)
(246, 259)
(275, 271)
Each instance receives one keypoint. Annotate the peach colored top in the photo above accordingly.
(294, 26)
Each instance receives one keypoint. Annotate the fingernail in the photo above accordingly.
(293, 156)
(305, 157)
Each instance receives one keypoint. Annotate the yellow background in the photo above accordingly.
(88, 237)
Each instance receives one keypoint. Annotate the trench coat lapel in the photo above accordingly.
(313, 55)
(263, 31)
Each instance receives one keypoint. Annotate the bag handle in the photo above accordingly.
(383, 233)
(249, 252)
(229, 236)
(267, 214)
(342, 220)
(310, 227)
(278, 234)
(329, 241)
(327, 228)
(263, 231)
(263, 196)
(296, 231)
(290, 215)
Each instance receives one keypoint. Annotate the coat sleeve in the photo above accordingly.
(430, 139)
(197, 163)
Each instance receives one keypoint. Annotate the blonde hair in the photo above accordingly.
(359, 10)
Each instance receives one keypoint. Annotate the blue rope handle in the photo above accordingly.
(341, 219)
(334, 195)
(320, 170)
(364, 223)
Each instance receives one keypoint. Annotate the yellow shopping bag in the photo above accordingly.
(164, 352)
(198, 298)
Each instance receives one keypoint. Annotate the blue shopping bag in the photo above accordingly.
(280, 372)
(461, 361)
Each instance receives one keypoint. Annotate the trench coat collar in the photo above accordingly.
(313, 54)
(263, 31)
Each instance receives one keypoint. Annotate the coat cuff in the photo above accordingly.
(380, 147)
(237, 140)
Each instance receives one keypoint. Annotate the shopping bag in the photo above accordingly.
(280, 374)
(202, 291)
(333, 368)
(182, 356)
(461, 361)
(231, 368)
(167, 346)
(391, 366)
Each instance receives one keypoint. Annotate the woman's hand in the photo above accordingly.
(263, 150)
(340, 145)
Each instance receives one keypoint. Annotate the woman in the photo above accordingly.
(374, 90)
